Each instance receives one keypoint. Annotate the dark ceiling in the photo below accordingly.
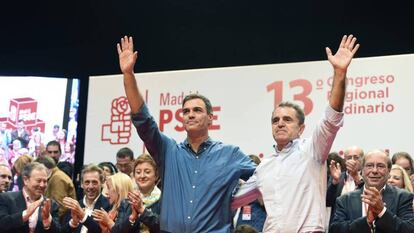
(78, 38)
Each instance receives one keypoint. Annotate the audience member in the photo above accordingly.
(125, 160)
(145, 203)
(108, 168)
(5, 139)
(18, 166)
(28, 211)
(59, 186)
(5, 178)
(344, 182)
(399, 178)
(119, 185)
(377, 207)
(81, 211)
(405, 161)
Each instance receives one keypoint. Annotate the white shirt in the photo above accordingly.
(293, 181)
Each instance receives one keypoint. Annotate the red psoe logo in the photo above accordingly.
(119, 130)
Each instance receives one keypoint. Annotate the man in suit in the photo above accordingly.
(80, 219)
(5, 178)
(343, 182)
(377, 207)
(60, 185)
(27, 211)
(21, 134)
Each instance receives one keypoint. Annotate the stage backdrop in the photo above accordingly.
(378, 104)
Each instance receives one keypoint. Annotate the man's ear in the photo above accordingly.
(301, 129)
(210, 119)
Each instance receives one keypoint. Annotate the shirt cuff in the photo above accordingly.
(23, 214)
(336, 118)
(71, 224)
(382, 212)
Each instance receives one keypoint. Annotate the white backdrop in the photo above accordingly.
(378, 104)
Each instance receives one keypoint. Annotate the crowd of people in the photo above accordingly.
(203, 185)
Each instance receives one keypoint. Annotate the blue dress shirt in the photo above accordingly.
(196, 187)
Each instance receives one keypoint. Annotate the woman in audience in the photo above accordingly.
(145, 202)
(17, 170)
(405, 161)
(119, 185)
(399, 178)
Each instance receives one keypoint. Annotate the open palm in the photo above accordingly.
(345, 53)
(127, 56)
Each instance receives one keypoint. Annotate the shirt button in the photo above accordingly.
(189, 217)
(196, 157)
(193, 186)
(191, 201)
(195, 172)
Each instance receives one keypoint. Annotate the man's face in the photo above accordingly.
(124, 165)
(5, 178)
(285, 126)
(375, 171)
(36, 183)
(404, 163)
(91, 185)
(53, 152)
(195, 116)
(353, 155)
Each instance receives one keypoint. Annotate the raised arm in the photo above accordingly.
(340, 62)
(127, 59)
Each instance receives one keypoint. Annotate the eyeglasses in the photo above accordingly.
(53, 151)
(379, 166)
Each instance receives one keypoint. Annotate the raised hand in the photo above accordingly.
(127, 55)
(31, 209)
(74, 206)
(335, 171)
(102, 217)
(373, 198)
(346, 51)
(134, 198)
(47, 203)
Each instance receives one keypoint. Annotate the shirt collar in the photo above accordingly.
(206, 143)
(27, 197)
(93, 203)
(287, 148)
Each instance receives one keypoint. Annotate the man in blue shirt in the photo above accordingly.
(199, 174)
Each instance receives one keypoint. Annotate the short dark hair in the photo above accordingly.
(93, 168)
(47, 161)
(54, 143)
(299, 111)
(28, 168)
(109, 165)
(125, 152)
(206, 101)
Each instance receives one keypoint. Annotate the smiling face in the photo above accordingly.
(145, 177)
(375, 169)
(396, 178)
(285, 126)
(36, 183)
(196, 118)
(91, 185)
